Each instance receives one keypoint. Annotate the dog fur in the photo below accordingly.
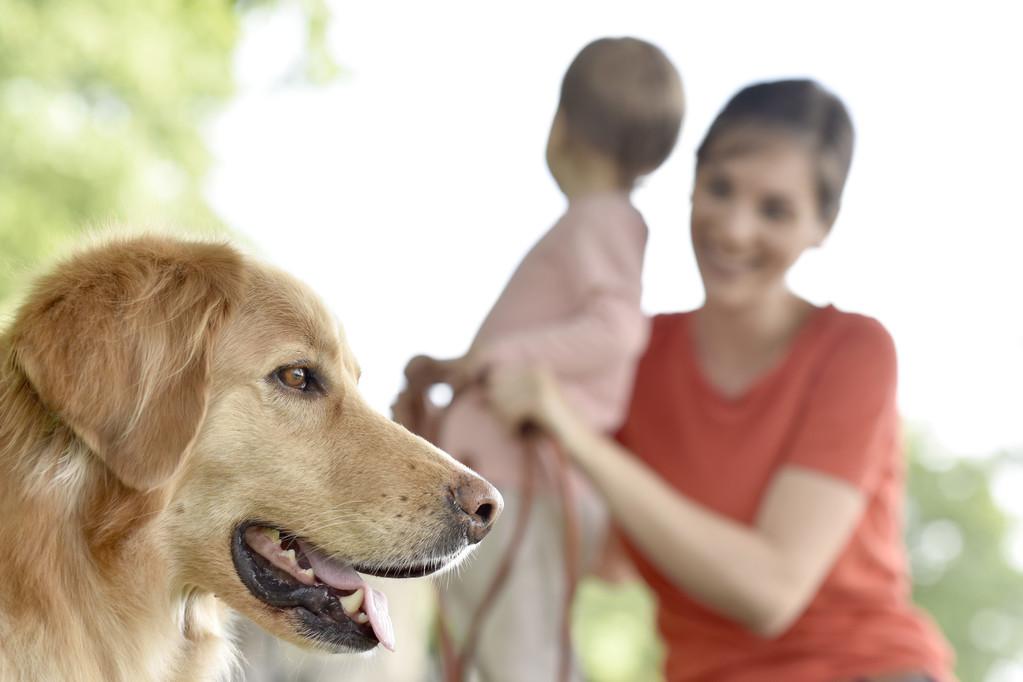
(140, 424)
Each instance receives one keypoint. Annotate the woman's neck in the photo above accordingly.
(736, 345)
(758, 323)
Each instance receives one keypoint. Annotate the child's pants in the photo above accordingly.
(520, 638)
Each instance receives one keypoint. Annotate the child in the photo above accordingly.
(573, 307)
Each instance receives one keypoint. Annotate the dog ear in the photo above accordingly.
(117, 343)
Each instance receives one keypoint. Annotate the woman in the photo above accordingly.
(758, 477)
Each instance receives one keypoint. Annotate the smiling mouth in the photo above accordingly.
(332, 603)
(726, 266)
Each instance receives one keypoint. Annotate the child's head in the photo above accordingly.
(621, 103)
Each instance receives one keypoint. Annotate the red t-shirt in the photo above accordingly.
(828, 406)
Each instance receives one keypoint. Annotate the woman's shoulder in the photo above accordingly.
(670, 318)
(850, 329)
(854, 341)
(669, 324)
(668, 336)
(832, 336)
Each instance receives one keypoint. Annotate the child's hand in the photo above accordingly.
(422, 371)
(414, 410)
(465, 371)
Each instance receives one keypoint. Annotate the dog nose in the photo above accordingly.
(479, 504)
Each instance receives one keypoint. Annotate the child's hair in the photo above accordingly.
(624, 97)
(802, 108)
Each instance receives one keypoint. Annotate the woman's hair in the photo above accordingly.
(623, 97)
(804, 109)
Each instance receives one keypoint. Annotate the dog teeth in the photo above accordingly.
(353, 602)
(289, 555)
(273, 534)
(307, 572)
(361, 618)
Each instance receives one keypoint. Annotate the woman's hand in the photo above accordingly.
(521, 396)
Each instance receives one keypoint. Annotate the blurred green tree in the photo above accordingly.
(102, 104)
(959, 543)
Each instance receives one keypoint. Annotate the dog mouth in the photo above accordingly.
(332, 603)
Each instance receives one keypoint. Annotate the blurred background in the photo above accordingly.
(391, 154)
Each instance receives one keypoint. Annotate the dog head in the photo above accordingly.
(221, 391)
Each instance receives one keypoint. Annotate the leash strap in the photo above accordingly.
(456, 665)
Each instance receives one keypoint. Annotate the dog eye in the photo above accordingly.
(294, 377)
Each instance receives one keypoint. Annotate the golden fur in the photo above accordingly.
(139, 426)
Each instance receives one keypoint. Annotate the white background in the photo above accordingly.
(407, 191)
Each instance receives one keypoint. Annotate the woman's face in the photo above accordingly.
(755, 211)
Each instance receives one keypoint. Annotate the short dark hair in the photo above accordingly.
(623, 96)
(805, 109)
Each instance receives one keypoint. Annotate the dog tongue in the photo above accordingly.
(342, 576)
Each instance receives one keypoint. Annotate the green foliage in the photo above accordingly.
(102, 104)
(958, 539)
(614, 632)
(100, 110)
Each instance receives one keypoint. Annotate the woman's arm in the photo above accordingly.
(762, 576)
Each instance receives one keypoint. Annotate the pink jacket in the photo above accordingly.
(573, 307)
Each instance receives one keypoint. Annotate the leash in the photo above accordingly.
(457, 664)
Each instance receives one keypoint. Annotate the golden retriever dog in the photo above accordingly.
(181, 434)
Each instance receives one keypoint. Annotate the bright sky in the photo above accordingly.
(406, 192)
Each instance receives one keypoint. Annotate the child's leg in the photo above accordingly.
(521, 634)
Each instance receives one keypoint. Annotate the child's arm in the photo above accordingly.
(424, 371)
(606, 260)
(413, 408)
(607, 329)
